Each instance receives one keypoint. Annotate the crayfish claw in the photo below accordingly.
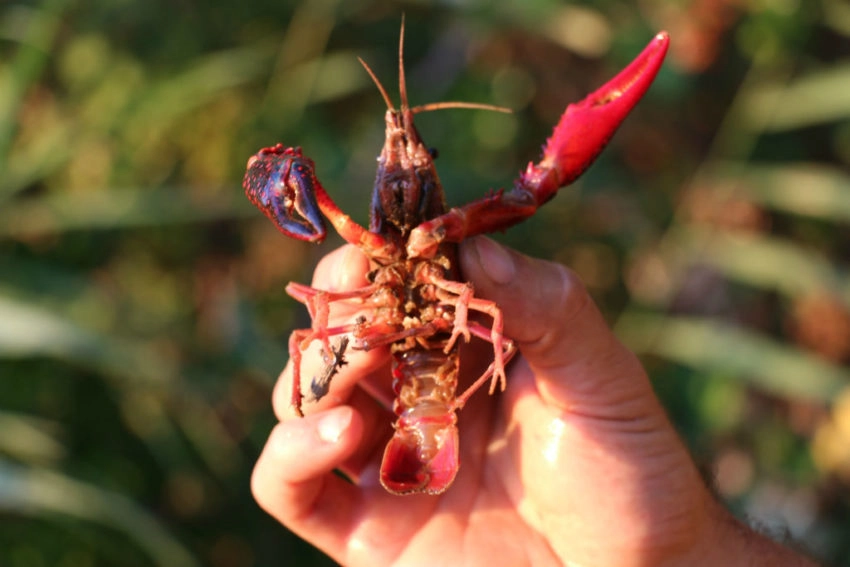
(281, 183)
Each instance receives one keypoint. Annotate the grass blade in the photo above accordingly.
(38, 492)
(712, 346)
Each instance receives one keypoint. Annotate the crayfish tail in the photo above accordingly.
(410, 468)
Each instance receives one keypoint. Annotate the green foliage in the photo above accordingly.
(142, 313)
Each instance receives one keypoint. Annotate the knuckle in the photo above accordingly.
(573, 295)
(556, 298)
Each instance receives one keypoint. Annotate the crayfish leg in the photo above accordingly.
(504, 350)
(318, 306)
(460, 296)
(318, 303)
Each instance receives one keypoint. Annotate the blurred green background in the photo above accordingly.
(142, 313)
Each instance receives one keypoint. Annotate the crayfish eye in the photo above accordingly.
(433, 153)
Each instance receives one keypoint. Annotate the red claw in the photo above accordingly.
(586, 127)
(581, 134)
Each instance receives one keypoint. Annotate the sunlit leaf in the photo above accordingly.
(202, 81)
(38, 27)
(761, 261)
(712, 346)
(128, 208)
(807, 189)
(41, 492)
(816, 98)
(27, 330)
(29, 439)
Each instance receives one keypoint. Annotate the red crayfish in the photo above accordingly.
(417, 301)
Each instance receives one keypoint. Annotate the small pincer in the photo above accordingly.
(281, 182)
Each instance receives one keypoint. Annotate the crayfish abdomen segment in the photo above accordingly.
(422, 456)
(424, 379)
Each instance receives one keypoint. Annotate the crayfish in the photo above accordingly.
(417, 301)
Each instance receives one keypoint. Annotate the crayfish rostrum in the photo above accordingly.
(418, 302)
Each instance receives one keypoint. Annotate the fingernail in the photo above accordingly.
(495, 260)
(331, 426)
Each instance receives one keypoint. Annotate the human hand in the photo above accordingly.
(575, 463)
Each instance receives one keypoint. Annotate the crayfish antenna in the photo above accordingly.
(402, 88)
(456, 104)
(402, 81)
(378, 84)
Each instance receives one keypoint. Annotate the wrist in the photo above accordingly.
(725, 540)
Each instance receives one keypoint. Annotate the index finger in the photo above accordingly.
(343, 269)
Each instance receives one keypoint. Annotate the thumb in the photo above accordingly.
(577, 361)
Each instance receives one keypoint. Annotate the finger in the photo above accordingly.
(358, 365)
(577, 360)
(293, 481)
(362, 465)
(343, 269)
